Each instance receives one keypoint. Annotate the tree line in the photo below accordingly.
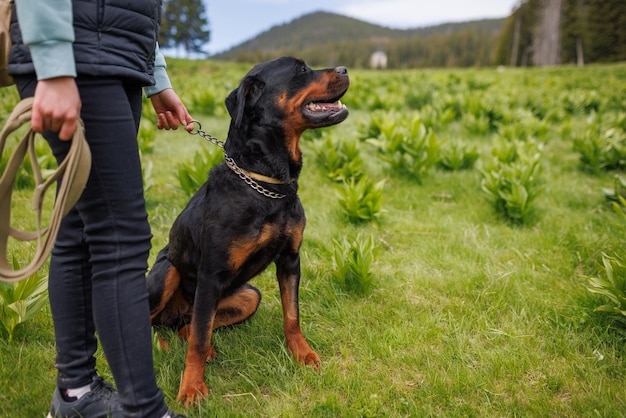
(551, 32)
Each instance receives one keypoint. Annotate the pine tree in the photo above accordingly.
(184, 26)
(606, 32)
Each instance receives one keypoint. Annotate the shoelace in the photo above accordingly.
(103, 388)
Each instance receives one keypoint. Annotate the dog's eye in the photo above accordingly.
(304, 69)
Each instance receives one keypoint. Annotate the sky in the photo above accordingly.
(234, 21)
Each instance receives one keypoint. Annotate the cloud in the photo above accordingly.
(412, 13)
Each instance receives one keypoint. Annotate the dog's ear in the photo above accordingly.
(244, 96)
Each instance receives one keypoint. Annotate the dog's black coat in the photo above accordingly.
(229, 232)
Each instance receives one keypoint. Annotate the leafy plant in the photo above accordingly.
(614, 150)
(203, 101)
(612, 287)
(191, 176)
(146, 174)
(361, 199)
(457, 156)
(601, 150)
(524, 127)
(352, 261)
(410, 148)
(618, 193)
(147, 135)
(476, 125)
(513, 187)
(340, 159)
(381, 123)
(20, 301)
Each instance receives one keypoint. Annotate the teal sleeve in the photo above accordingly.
(47, 30)
(160, 75)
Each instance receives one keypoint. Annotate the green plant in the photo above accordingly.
(601, 149)
(352, 261)
(147, 135)
(408, 147)
(612, 287)
(513, 187)
(203, 101)
(614, 150)
(618, 191)
(191, 176)
(20, 301)
(524, 127)
(476, 125)
(380, 123)
(146, 174)
(457, 156)
(362, 199)
(341, 159)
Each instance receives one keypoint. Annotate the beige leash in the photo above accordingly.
(73, 171)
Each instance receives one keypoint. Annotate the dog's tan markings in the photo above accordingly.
(236, 308)
(241, 249)
(296, 343)
(296, 232)
(293, 125)
(172, 281)
(192, 386)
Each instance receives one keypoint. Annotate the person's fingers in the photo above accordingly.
(183, 116)
(36, 120)
(161, 121)
(172, 120)
(67, 130)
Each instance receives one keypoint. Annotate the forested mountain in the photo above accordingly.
(538, 32)
(329, 39)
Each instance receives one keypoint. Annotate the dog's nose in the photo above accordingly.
(341, 70)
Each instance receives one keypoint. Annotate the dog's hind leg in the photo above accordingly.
(168, 288)
(237, 307)
(162, 280)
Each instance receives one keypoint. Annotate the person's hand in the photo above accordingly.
(56, 107)
(170, 111)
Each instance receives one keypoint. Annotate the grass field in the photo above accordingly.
(470, 313)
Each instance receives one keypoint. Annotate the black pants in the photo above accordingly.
(98, 264)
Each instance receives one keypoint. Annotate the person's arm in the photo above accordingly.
(47, 30)
(162, 81)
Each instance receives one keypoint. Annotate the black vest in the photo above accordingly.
(113, 38)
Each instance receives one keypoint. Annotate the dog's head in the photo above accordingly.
(286, 94)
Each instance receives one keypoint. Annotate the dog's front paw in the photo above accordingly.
(310, 359)
(192, 394)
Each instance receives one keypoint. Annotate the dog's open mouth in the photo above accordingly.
(324, 113)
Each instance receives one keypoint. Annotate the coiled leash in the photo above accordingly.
(246, 176)
(73, 172)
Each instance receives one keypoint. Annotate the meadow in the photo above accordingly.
(456, 222)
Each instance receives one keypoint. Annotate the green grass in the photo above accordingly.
(468, 314)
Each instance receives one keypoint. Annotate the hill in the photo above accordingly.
(321, 37)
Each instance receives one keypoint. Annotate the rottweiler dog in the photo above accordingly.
(246, 216)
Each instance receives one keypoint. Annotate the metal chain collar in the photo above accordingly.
(233, 166)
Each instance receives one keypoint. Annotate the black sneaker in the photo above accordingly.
(171, 414)
(100, 402)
